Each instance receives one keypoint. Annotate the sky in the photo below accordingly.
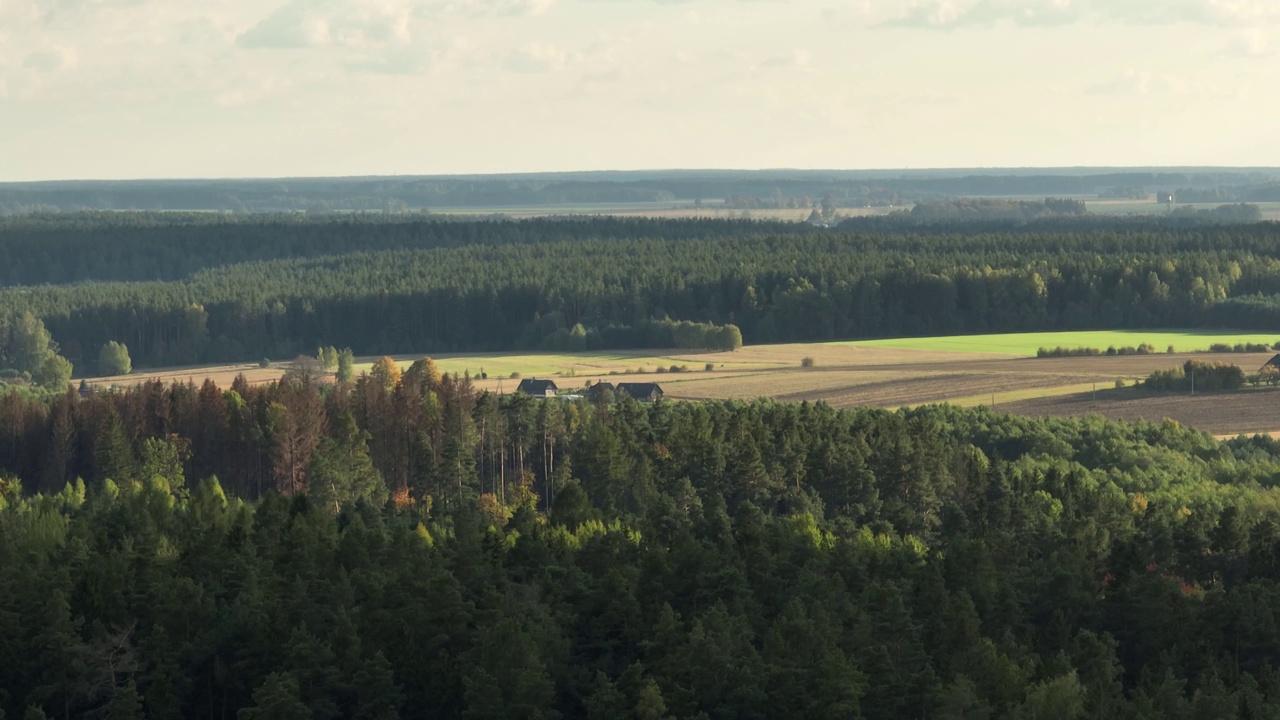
(98, 89)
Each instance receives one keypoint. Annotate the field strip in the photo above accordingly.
(1016, 395)
(1026, 344)
(1274, 435)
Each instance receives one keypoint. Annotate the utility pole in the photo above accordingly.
(1193, 381)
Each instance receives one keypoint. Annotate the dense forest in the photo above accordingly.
(192, 288)
(403, 547)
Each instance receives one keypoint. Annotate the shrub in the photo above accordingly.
(1240, 348)
(1205, 376)
(808, 362)
(1067, 352)
(264, 363)
(514, 376)
(709, 367)
(1119, 383)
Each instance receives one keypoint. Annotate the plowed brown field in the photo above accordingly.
(1246, 412)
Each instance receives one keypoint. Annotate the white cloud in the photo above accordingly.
(1137, 83)
(307, 23)
(1133, 82)
(954, 14)
(47, 61)
(1251, 44)
(509, 7)
(536, 58)
(399, 61)
(792, 60)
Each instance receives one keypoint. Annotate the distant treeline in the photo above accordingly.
(1234, 213)
(398, 194)
(1143, 349)
(1149, 349)
(982, 214)
(548, 333)
(992, 209)
(1252, 193)
(383, 287)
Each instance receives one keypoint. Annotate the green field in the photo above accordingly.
(1028, 343)
(760, 357)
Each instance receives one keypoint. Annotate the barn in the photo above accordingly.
(644, 392)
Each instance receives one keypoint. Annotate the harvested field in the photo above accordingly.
(850, 376)
(944, 378)
(1224, 414)
(221, 375)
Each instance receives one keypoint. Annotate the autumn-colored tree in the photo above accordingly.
(386, 373)
(425, 373)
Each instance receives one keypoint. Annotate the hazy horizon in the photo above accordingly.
(887, 172)
(142, 89)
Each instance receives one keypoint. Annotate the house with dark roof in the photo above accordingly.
(602, 389)
(1272, 365)
(644, 392)
(537, 388)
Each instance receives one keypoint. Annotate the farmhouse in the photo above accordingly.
(600, 390)
(1272, 365)
(644, 392)
(537, 388)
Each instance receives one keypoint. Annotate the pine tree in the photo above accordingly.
(277, 698)
(112, 451)
(341, 472)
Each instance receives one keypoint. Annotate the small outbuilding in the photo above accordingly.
(537, 388)
(644, 392)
